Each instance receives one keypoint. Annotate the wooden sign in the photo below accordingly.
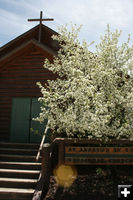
(78, 155)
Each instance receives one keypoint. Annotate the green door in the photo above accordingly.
(38, 129)
(23, 110)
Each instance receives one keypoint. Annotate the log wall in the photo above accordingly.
(19, 79)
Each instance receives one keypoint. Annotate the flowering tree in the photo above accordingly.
(93, 96)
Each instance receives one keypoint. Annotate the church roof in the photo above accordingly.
(29, 39)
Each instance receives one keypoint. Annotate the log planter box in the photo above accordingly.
(68, 151)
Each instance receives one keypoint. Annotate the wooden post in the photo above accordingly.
(61, 152)
(43, 182)
(46, 164)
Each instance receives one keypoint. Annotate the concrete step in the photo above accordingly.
(18, 183)
(19, 171)
(16, 151)
(16, 194)
(20, 165)
(19, 145)
(13, 173)
(18, 158)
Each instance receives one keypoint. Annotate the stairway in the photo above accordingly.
(18, 171)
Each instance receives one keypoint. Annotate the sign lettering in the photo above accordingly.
(99, 155)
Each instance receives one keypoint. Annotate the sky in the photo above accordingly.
(93, 15)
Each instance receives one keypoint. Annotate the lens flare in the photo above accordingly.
(65, 175)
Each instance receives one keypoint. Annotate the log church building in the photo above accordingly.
(21, 66)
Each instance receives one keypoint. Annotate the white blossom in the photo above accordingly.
(93, 96)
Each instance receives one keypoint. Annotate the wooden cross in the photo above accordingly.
(40, 20)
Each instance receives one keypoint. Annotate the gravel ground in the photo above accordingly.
(92, 183)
